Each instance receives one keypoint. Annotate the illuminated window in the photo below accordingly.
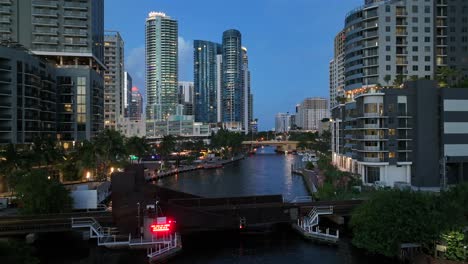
(391, 132)
(391, 155)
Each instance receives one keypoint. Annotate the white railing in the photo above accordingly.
(302, 199)
(309, 224)
(108, 237)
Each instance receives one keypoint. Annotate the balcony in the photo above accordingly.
(372, 115)
(366, 159)
(75, 32)
(7, 2)
(45, 13)
(46, 31)
(72, 14)
(50, 4)
(371, 126)
(72, 5)
(45, 22)
(5, 19)
(5, 10)
(75, 23)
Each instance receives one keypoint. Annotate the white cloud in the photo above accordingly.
(185, 60)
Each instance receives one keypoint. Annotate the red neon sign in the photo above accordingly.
(157, 228)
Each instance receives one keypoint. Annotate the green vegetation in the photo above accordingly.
(15, 252)
(392, 217)
(39, 194)
(229, 143)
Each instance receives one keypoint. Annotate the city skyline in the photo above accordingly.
(309, 80)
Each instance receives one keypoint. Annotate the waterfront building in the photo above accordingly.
(186, 96)
(282, 122)
(207, 75)
(161, 67)
(401, 135)
(133, 128)
(69, 35)
(232, 97)
(136, 105)
(114, 80)
(311, 112)
(179, 125)
(247, 96)
(128, 85)
(28, 96)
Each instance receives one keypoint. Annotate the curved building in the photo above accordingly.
(161, 66)
(388, 40)
(232, 98)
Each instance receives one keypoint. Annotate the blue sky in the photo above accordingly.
(290, 42)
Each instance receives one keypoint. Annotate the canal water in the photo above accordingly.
(265, 173)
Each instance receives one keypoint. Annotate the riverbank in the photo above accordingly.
(184, 169)
(310, 178)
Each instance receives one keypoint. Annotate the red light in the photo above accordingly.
(157, 228)
(240, 227)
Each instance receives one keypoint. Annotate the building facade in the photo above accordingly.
(282, 122)
(311, 112)
(69, 35)
(247, 116)
(128, 85)
(337, 70)
(136, 105)
(161, 67)
(232, 97)
(206, 79)
(114, 80)
(402, 135)
(186, 94)
(179, 125)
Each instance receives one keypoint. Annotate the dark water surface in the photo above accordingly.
(263, 174)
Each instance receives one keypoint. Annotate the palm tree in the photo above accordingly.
(446, 75)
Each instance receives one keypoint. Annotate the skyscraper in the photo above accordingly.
(206, 77)
(161, 67)
(337, 70)
(136, 105)
(128, 84)
(246, 96)
(186, 97)
(232, 98)
(69, 35)
(114, 79)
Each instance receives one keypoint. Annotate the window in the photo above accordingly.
(415, 20)
(415, 58)
(388, 48)
(427, 58)
(391, 155)
(427, 39)
(415, 67)
(388, 58)
(427, 9)
(427, 68)
(414, 9)
(415, 39)
(388, 19)
(415, 48)
(373, 174)
(427, 20)
(391, 132)
(387, 29)
(427, 48)
(427, 29)
(387, 8)
(387, 38)
(388, 67)
(415, 29)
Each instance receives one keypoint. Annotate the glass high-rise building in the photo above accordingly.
(205, 80)
(161, 67)
(232, 97)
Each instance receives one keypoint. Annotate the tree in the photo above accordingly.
(414, 78)
(167, 146)
(446, 76)
(399, 79)
(136, 146)
(40, 195)
(392, 217)
(455, 241)
(15, 252)
(387, 79)
(110, 150)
